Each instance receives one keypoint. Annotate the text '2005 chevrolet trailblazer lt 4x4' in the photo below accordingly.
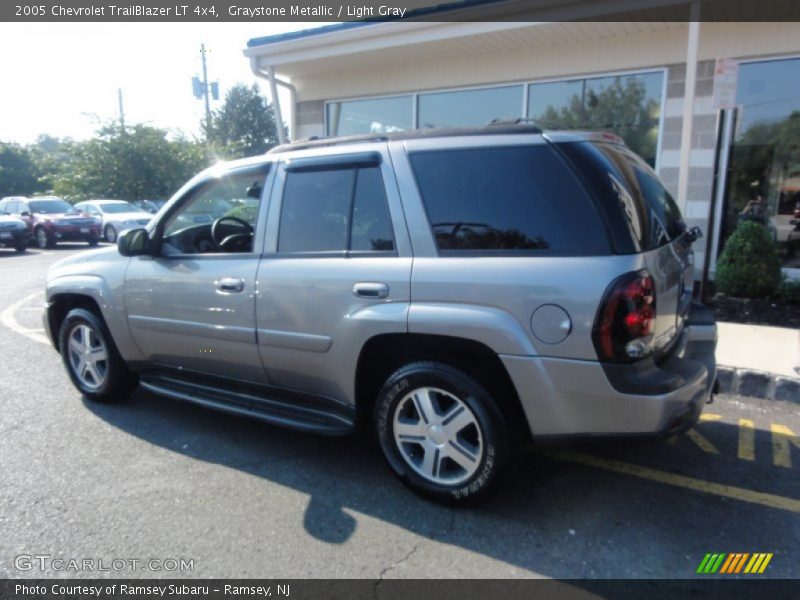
(460, 291)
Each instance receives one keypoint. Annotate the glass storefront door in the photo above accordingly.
(764, 177)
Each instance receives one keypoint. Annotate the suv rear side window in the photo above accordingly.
(335, 210)
(652, 216)
(507, 200)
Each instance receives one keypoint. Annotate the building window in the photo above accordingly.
(628, 105)
(375, 115)
(764, 181)
(464, 108)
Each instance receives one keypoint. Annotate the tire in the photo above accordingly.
(459, 464)
(43, 240)
(92, 242)
(110, 234)
(21, 248)
(107, 380)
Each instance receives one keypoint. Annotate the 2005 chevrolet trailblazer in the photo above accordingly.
(460, 291)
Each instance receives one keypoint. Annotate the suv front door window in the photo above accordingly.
(192, 306)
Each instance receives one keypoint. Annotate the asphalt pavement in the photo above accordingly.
(154, 481)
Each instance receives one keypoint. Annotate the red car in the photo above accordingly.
(51, 220)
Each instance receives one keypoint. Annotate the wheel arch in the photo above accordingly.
(383, 354)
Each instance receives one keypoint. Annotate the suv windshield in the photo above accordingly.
(117, 207)
(50, 207)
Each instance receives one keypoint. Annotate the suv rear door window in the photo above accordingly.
(517, 200)
(335, 209)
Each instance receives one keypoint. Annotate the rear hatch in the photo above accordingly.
(658, 229)
(643, 219)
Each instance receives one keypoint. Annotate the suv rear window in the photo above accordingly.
(651, 215)
(511, 200)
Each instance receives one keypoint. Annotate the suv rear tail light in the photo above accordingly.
(623, 330)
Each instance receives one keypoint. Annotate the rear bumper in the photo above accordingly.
(13, 237)
(563, 397)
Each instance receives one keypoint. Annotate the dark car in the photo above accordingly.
(51, 220)
(13, 232)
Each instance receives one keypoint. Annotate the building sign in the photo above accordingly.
(726, 74)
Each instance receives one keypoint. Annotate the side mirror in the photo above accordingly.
(134, 242)
(24, 213)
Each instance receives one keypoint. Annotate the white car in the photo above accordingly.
(115, 216)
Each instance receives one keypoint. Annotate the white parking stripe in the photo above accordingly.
(7, 318)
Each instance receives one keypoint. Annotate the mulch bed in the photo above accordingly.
(759, 311)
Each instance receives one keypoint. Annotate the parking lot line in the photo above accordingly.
(747, 447)
(682, 481)
(783, 439)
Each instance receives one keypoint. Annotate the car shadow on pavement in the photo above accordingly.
(552, 517)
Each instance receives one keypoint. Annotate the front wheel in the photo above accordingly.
(111, 234)
(91, 358)
(44, 241)
(442, 432)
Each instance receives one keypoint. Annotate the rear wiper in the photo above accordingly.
(693, 234)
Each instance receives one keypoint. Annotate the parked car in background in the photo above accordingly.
(151, 206)
(51, 220)
(115, 216)
(13, 232)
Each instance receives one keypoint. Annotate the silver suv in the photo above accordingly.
(461, 292)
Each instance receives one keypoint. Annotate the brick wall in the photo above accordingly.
(704, 140)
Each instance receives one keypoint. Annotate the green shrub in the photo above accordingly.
(749, 266)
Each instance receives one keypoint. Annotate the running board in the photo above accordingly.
(292, 410)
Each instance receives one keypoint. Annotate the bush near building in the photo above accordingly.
(750, 266)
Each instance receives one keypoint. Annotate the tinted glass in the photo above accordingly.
(469, 107)
(316, 210)
(628, 105)
(372, 225)
(652, 216)
(764, 184)
(521, 199)
(378, 115)
(50, 206)
(117, 207)
(234, 195)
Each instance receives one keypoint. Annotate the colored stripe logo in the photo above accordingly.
(735, 562)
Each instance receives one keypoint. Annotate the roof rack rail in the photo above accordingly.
(496, 127)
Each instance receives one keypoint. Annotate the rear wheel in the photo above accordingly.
(91, 358)
(442, 432)
(21, 247)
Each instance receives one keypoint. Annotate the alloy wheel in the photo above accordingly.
(41, 238)
(88, 356)
(438, 436)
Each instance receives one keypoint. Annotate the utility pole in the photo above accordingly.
(205, 90)
(121, 110)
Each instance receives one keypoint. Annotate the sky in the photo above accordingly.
(61, 79)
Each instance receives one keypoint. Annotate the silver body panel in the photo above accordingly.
(298, 325)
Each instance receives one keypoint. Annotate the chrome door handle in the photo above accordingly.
(375, 291)
(230, 284)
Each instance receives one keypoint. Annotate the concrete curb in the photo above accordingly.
(758, 384)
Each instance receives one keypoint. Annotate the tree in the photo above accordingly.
(245, 125)
(19, 174)
(622, 108)
(139, 162)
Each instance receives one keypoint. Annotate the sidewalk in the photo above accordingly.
(756, 360)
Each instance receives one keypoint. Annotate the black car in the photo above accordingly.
(13, 232)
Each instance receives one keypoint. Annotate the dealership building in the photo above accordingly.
(721, 152)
